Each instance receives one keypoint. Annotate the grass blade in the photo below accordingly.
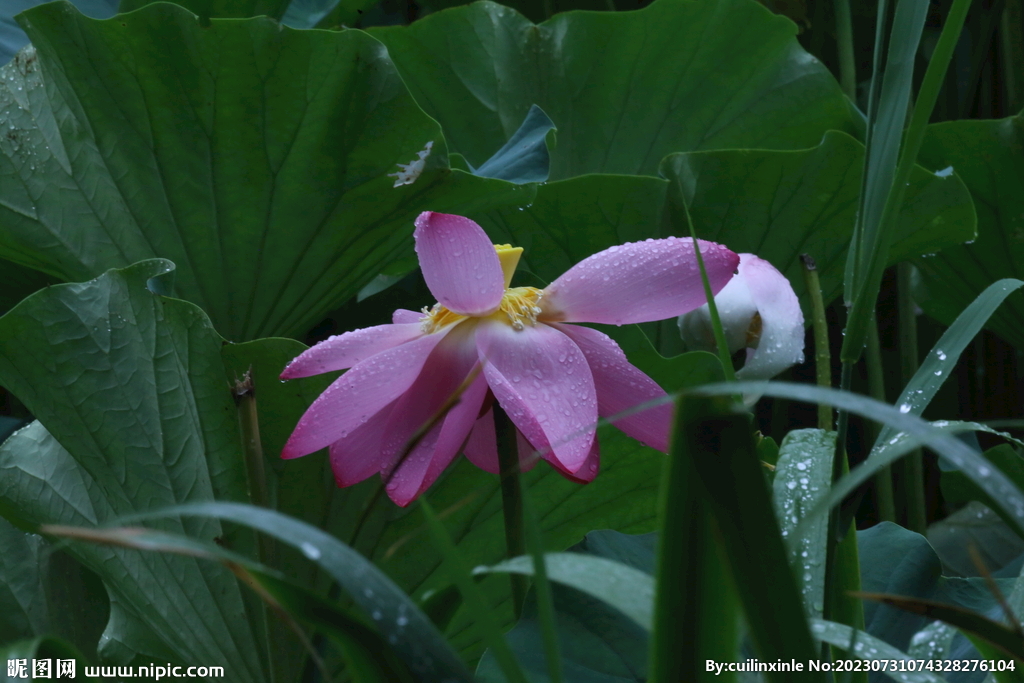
(628, 590)
(410, 632)
(1009, 641)
(919, 432)
(473, 596)
(940, 362)
(864, 282)
(714, 470)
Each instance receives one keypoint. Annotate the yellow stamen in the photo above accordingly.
(437, 317)
(754, 331)
(509, 258)
(521, 305)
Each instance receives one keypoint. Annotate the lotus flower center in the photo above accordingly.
(521, 305)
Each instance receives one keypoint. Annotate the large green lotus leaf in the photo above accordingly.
(23, 609)
(224, 9)
(777, 204)
(989, 157)
(780, 205)
(624, 89)
(255, 157)
(131, 386)
(45, 591)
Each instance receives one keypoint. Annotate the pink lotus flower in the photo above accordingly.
(553, 379)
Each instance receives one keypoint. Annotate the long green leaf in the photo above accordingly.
(409, 631)
(803, 475)
(938, 365)
(1008, 640)
(873, 247)
(870, 647)
(887, 111)
(713, 468)
(972, 464)
(627, 589)
(471, 594)
(370, 653)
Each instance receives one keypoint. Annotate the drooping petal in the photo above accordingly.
(759, 312)
(450, 364)
(402, 316)
(542, 380)
(356, 456)
(359, 394)
(586, 473)
(621, 386)
(459, 263)
(637, 282)
(345, 350)
(435, 452)
(781, 344)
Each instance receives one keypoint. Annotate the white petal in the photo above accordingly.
(782, 322)
(775, 342)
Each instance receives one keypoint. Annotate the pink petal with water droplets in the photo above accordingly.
(345, 350)
(359, 394)
(444, 373)
(435, 452)
(637, 282)
(586, 473)
(404, 316)
(782, 322)
(358, 455)
(621, 386)
(459, 263)
(541, 379)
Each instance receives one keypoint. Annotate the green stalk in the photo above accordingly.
(838, 463)
(876, 388)
(511, 502)
(716, 321)
(846, 609)
(844, 40)
(1011, 33)
(913, 466)
(542, 590)
(244, 393)
(473, 596)
(822, 356)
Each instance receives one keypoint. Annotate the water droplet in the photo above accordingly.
(310, 550)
